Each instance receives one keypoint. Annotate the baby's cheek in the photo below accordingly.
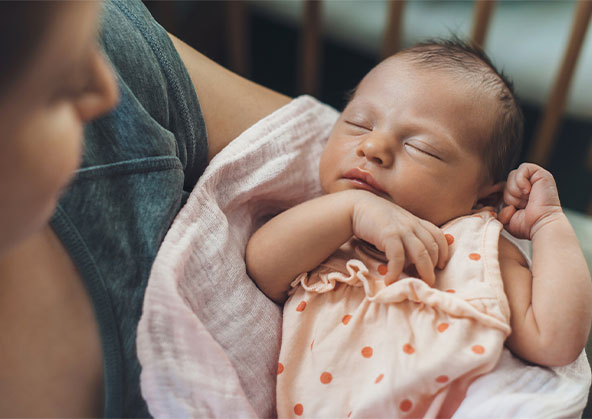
(327, 171)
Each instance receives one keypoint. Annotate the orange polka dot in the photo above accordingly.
(408, 349)
(442, 378)
(301, 306)
(451, 291)
(311, 343)
(406, 405)
(379, 379)
(382, 269)
(474, 256)
(478, 349)
(326, 377)
(493, 214)
(349, 414)
(442, 327)
(346, 319)
(280, 368)
(298, 409)
(367, 351)
(449, 238)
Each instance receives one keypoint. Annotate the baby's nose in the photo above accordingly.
(376, 149)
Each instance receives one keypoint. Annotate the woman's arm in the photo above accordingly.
(229, 102)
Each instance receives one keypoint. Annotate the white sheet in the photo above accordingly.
(208, 339)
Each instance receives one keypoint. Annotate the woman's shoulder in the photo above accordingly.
(159, 113)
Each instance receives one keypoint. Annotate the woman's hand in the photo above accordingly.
(403, 237)
(532, 200)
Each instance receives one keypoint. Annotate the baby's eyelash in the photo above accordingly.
(358, 125)
(423, 151)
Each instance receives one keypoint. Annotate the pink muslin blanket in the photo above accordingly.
(353, 347)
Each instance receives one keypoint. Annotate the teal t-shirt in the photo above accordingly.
(139, 164)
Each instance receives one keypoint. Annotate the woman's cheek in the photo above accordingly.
(52, 144)
(39, 154)
(62, 146)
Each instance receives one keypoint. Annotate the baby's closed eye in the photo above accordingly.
(419, 150)
(359, 125)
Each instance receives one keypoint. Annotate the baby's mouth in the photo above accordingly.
(363, 180)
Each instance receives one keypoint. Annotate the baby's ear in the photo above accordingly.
(490, 195)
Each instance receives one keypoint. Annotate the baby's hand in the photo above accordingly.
(401, 236)
(531, 198)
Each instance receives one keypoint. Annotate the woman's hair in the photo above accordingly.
(23, 25)
(502, 150)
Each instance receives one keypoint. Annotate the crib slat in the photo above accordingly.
(392, 32)
(589, 171)
(589, 161)
(481, 20)
(548, 125)
(310, 47)
(237, 31)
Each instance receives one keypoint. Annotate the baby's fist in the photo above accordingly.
(531, 198)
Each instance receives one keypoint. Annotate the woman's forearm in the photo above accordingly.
(230, 103)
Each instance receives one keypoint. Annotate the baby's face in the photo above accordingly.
(413, 136)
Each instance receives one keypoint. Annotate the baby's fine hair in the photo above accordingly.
(501, 153)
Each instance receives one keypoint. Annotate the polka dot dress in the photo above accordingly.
(353, 347)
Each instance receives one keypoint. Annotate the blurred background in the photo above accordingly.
(325, 47)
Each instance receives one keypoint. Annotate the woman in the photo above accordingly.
(76, 247)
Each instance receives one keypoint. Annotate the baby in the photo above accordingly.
(402, 290)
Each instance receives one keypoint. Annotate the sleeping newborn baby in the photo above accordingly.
(402, 289)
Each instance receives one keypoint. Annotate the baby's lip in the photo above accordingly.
(365, 180)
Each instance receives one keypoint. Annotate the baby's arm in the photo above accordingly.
(551, 305)
(300, 238)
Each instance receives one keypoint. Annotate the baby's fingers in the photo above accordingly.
(420, 257)
(395, 253)
(523, 179)
(505, 215)
(440, 241)
(513, 192)
(426, 236)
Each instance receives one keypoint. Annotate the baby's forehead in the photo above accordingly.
(478, 76)
(405, 79)
(429, 96)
